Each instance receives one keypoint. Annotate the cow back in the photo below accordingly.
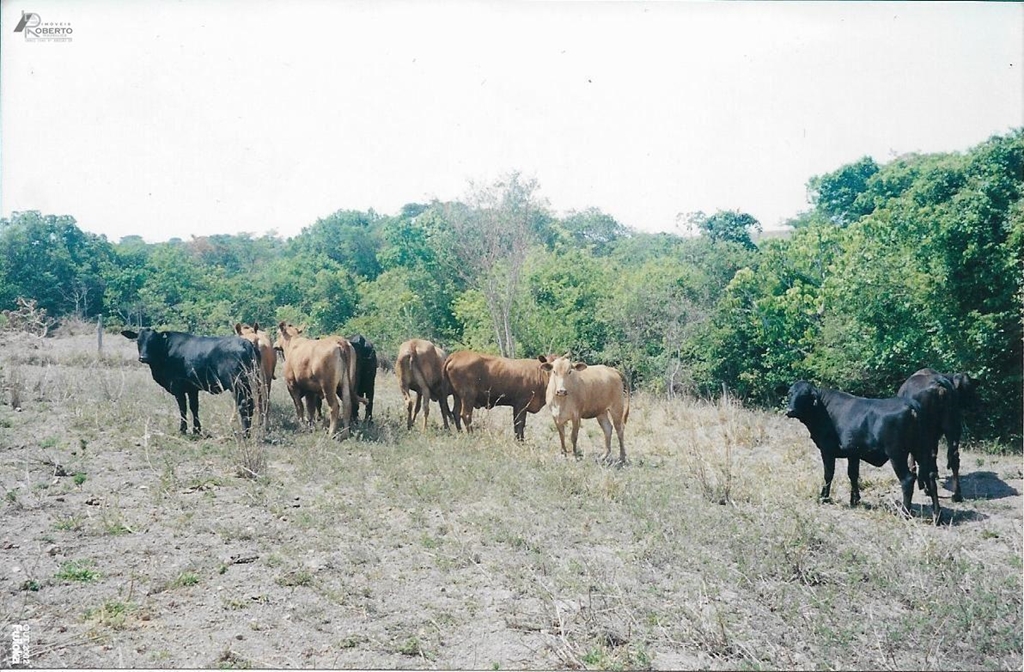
(210, 363)
(487, 380)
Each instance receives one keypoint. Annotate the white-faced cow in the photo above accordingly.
(419, 368)
(942, 397)
(476, 380)
(268, 361)
(578, 392)
(316, 369)
(184, 364)
(874, 430)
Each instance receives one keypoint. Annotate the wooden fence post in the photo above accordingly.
(99, 334)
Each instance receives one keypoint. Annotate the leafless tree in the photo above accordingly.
(493, 229)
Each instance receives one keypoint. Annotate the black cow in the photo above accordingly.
(366, 375)
(183, 364)
(943, 397)
(855, 428)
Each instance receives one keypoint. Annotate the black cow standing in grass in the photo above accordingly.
(184, 364)
(366, 375)
(942, 397)
(873, 430)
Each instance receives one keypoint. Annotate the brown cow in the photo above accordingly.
(419, 368)
(268, 362)
(484, 381)
(577, 392)
(317, 369)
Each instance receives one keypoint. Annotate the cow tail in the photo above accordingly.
(625, 387)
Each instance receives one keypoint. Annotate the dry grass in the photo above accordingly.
(400, 549)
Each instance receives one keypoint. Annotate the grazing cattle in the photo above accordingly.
(419, 368)
(943, 397)
(268, 361)
(184, 364)
(366, 375)
(315, 370)
(855, 428)
(577, 392)
(484, 381)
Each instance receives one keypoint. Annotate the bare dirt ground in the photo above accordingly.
(124, 544)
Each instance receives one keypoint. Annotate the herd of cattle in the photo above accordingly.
(904, 430)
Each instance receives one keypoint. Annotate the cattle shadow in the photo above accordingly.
(977, 485)
(950, 516)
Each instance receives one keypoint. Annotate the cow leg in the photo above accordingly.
(853, 471)
(331, 396)
(577, 453)
(296, 396)
(906, 480)
(561, 437)
(519, 422)
(606, 427)
(456, 411)
(245, 405)
(182, 412)
(426, 408)
(368, 414)
(829, 463)
(953, 462)
(313, 409)
(193, 402)
(442, 401)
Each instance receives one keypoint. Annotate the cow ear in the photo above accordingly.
(546, 366)
(238, 328)
(579, 366)
(542, 359)
(281, 325)
(255, 326)
(130, 335)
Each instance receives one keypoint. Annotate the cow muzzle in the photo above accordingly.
(562, 393)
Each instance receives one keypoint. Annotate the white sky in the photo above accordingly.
(186, 118)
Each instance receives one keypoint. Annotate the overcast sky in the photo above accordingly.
(187, 118)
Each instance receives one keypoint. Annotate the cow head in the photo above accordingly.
(803, 398)
(286, 331)
(560, 373)
(966, 387)
(152, 344)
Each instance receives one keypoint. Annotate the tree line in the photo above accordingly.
(912, 263)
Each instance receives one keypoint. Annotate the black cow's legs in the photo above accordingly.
(953, 461)
(182, 411)
(830, 471)
(906, 479)
(193, 402)
(853, 471)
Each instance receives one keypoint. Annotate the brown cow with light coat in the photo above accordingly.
(476, 380)
(268, 361)
(316, 369)
(419, 368)
(577, 392)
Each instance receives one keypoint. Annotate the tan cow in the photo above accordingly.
(268, 362)
(577, 392)
(419, 368)
(316, 369)
(476, 380)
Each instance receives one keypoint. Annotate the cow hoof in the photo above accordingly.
(824, 500)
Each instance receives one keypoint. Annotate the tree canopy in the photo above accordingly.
(896, 266)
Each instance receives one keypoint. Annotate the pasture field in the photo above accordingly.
(127, 545)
